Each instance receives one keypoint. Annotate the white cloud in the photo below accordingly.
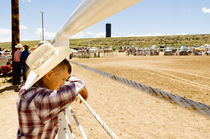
(132, 35)
(205, 10)
(5, 35)
(4, 31)
(26, 1)
(183, 33)
(116, 36)
(25, 39)
(79, 35)
(89, 33)
(99, 35)
(5, 39)
(47, 35)
(23, 27)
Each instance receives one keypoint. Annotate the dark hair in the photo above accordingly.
(65, 62)
(26, 47)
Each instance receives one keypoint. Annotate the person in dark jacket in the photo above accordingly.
(24, 55)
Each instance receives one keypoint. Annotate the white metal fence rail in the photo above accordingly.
(106, 128)
(183, 102)
(65, 129)
(65, 125)
(78, 124)
(88, 13)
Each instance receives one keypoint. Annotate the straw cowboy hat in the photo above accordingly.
(18, 46)
(44, 59)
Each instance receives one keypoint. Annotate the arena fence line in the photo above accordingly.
(198, 107)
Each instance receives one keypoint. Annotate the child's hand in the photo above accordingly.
(84, 94)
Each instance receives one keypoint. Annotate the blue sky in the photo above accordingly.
(146, 18)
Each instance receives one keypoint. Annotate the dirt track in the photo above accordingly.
(134, 114)
(129, 112)
(186, 76)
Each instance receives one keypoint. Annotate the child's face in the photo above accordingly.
(57, 78)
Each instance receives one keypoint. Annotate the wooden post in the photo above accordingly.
(15, 33)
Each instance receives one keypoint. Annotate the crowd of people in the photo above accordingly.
(6, 64)
(18, 63)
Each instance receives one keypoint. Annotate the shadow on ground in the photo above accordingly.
(7, 88)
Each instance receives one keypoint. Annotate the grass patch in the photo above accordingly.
(174, 40)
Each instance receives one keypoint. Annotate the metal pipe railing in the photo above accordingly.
(88, 13)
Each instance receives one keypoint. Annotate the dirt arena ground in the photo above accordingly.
(186, 76)
(129, 112)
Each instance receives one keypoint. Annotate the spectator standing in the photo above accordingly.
(5, 52)
(23, 57)
(17, 63)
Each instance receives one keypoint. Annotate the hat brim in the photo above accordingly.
(63, 53)
(18, 47)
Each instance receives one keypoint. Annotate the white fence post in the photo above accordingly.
(63, 131)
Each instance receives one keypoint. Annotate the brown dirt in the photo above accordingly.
(129, 112)
(186, 76)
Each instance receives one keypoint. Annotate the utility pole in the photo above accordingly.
(15, 35)
(42, 26)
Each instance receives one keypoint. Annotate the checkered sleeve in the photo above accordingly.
(49, 103)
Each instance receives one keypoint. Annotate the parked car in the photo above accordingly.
(202, 48)
(169, 51)
(183, 50)
(121, 49)
(147, 50)
(154, 50)
(111, 48)
(93, 50)
(162, 47)
(1, 53)
(199, 50)
(207, 50)
(190, 50)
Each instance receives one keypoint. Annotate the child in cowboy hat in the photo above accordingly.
(46, 92)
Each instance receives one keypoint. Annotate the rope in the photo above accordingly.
(198, 107)
(107, 129)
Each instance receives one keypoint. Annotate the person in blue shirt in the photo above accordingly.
(23, 58)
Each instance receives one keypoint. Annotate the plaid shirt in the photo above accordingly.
(38, 109)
